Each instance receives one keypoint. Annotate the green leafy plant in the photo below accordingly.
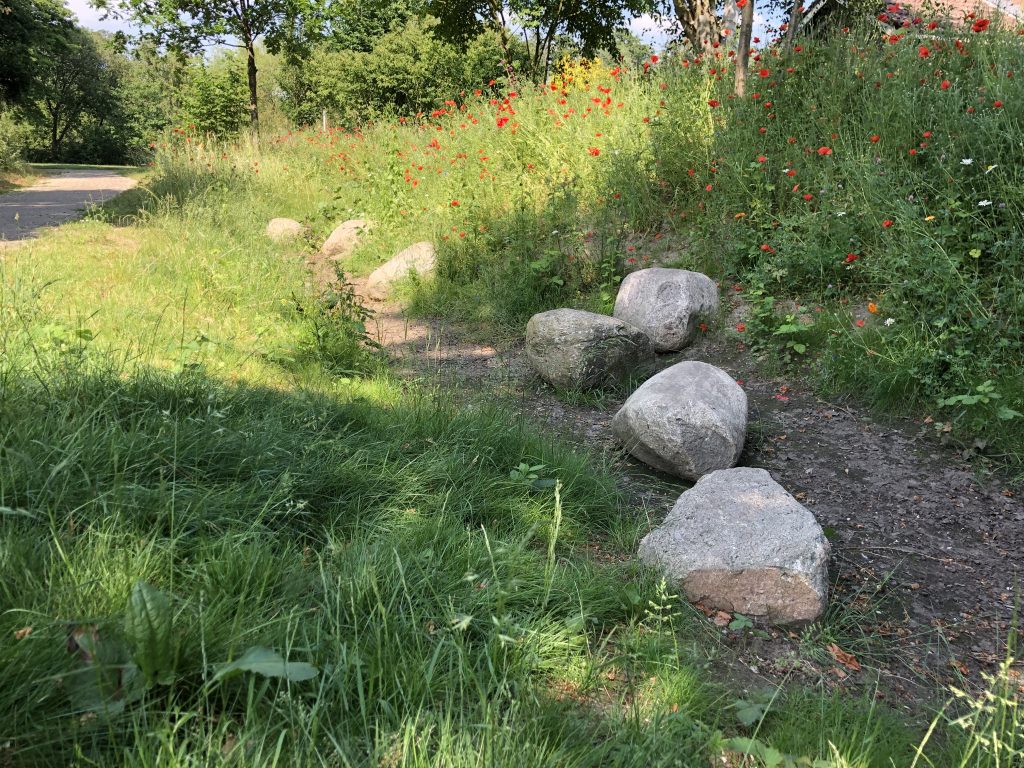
(148, 623)
(337, 335)
(752, 710)
(531, 474)
(265, 663)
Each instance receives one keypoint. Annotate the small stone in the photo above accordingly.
(418, 258)
(666, 304)
(688, 420)
(344, 239)
(570, 348)
(738, 542)
(282, 230)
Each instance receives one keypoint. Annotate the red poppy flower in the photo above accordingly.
(851, 257)
(455, 203)
(824, 151)
(713, 102)
(887, 223)
(875, 138)
(860, 323)
(594, 151)
(741, 327)
(997, 104)
(944, 85)
(980, 25)
(764, 73)
(923, 52)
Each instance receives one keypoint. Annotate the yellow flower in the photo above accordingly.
(929, 218)
(739, 215)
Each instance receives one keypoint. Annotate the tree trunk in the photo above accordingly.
(796, 17)
(700, 23)
(254, 112)
(743, 47)
(54, 110)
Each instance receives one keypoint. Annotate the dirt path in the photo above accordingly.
(927, 559)
(57, 199)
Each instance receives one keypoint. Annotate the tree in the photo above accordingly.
(591, 24)
(189, 25)
(28, 29)
(72, 79)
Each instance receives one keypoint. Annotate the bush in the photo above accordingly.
(216, 99)
(14, 136)
(408, 70)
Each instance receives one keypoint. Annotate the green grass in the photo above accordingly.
(177, 411)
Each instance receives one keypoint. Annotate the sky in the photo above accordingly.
(645, 27)
(90, 18)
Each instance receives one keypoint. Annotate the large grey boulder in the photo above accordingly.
(666, 304)
(418, 258)
(344, 239)
(570, 348)
(738, 542)
(688, 420)
(281, 230)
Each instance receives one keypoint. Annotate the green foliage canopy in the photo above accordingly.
(29, 30)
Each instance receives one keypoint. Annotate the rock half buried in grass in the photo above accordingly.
(666, 304)
(570, 348)
(737, 541)
(344, 239)
(418, 258)
(281, 230)
(688, 420)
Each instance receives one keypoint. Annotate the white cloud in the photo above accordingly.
(648, 29)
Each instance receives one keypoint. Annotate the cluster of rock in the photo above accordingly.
(736, 541)
(418, 258)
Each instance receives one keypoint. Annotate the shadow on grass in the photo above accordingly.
(455, 614)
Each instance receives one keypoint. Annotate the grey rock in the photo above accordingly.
(666, 304)
(418, 258)
(281, 230)
(688, 420)
(738, 542)
(570, 348)
(344, 239)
